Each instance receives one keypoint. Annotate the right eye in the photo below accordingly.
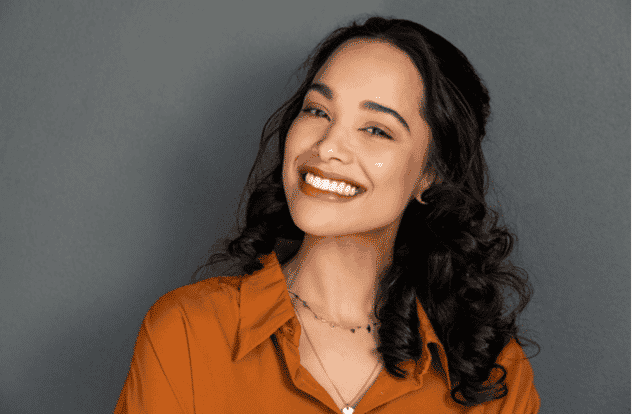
(315, 112)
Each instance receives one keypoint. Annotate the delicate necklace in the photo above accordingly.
(348, 409)
(333, 324)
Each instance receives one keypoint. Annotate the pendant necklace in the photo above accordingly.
(348, 409)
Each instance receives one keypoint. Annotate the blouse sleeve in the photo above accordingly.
(159, 379)
(522, 397)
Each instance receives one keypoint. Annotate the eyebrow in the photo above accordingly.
(327, 93)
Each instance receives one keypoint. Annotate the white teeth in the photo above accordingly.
(341, 188)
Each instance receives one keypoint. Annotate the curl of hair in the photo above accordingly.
(450, 254)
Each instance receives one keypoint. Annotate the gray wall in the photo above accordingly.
(128, 129)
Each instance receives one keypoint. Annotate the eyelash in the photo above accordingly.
(381, 131)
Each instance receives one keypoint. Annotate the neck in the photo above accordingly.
(338, 276)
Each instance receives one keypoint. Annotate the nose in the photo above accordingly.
(334, 144)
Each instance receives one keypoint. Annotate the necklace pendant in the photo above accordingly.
(347, 410)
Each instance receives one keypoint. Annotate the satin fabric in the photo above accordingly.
(229, 344)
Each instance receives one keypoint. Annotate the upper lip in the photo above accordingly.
(330, 175)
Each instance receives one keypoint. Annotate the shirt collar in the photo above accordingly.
(265, 306)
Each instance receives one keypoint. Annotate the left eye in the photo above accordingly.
(315, 111)
(379, 132)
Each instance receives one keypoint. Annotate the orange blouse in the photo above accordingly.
(230, 345)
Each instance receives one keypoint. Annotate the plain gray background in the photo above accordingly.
(128, 129)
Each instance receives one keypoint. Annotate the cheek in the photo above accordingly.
(291, 141)
(295, 145)
(398, 176)
(301, 137)
(302, 130)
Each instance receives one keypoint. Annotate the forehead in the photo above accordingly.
(373, 69)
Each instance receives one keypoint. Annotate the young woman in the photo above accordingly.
(371, 271)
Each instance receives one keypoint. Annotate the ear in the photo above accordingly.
(425, 182)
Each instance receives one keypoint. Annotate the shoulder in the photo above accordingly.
(515, 361)
(513, 356)
(210, 305)
(522, 396)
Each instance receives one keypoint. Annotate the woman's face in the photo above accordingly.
(339, 132)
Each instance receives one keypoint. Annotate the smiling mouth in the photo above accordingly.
(341, 188)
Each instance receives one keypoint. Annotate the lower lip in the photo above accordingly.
(324, 195)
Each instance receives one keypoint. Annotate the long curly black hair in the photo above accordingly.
(458, 270)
